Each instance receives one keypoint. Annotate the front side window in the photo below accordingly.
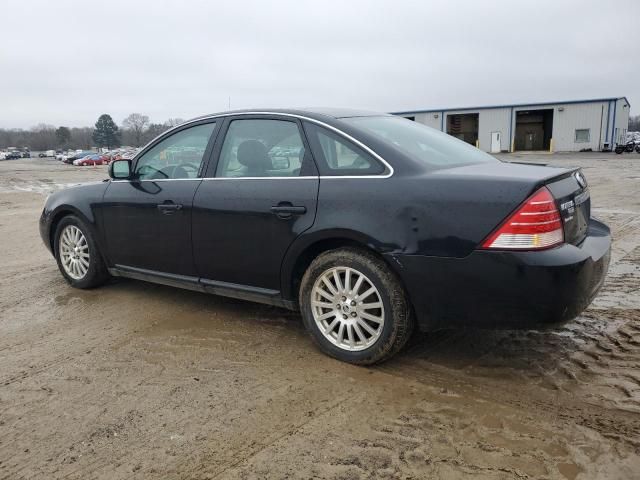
(263, 148)
(178, 156)
(425, 145)
(582, 135)
(338, 156)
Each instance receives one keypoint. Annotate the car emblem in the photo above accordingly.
(580, 179)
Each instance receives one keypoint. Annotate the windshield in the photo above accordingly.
(424, 144)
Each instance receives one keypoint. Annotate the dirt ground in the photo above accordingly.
(135, 380)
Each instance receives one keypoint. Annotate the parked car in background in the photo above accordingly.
(369, 224)
(13, 155)
(3, 155)
(26, 154)
(71, 158)
(47, 153)
(96, 159)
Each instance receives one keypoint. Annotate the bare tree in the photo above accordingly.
(172, 122)
(137, 124)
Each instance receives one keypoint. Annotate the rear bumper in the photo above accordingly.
(492, 289)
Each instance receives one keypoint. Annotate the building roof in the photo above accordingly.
(513, 105)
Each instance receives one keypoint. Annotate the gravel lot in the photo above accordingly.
(135, 380)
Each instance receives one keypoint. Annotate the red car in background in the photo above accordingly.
(91, 160)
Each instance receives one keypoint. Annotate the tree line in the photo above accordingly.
(135, 131)
(634, 124)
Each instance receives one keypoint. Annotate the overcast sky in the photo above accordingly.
(66, 62)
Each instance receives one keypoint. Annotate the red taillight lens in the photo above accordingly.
(535, 225)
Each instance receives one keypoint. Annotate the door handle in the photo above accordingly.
(287, 210)
(169, 208)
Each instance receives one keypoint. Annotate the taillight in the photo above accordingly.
(535, 225)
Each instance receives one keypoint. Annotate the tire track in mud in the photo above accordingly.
(589, 369)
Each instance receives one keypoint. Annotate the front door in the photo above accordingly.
(495, 142)
(260, 196)
(147, 220)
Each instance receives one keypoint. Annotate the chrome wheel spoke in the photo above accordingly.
(367, 293)
(326, 295)
(358, 284)
(336, 278)
(340, 333)
(316, 303)
(349, 320)
(368, 329)
(361, 337)
(373, 318)
(347, 280)
(329, 285)
(370, 306)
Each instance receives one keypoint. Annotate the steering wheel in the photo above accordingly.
(183, 170)
(154, 172)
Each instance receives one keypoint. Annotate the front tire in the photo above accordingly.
(354, 307)
(77, 254)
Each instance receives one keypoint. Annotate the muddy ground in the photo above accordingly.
(134, 380)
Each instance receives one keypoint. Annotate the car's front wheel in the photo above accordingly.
(77, 254)
(354, 306)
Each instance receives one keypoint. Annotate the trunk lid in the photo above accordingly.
(567, 185)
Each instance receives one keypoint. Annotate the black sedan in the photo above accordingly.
(369, 224)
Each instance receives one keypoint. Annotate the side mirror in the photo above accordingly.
(120, 169)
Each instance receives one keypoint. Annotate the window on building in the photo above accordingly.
(583, 135)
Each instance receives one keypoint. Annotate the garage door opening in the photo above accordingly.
(464, 126)
(533, 130)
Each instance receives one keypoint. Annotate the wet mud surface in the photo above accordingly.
(134, 380)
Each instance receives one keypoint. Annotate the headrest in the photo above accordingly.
(253, 154)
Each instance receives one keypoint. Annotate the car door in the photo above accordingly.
(147, 220)
(258, 196)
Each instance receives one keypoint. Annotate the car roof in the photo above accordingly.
(318, 113)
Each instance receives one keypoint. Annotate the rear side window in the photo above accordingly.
(426, 145)
(336, 156)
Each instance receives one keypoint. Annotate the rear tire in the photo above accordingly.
(343, 318)
(77, 254)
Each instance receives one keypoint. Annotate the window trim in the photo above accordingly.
(314, 138)
(221, 119)
(575, 135)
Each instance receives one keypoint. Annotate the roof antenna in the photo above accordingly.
(229, 102)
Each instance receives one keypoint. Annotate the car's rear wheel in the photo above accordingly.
(354, 306)
(77, 254)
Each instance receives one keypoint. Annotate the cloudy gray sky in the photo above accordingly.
(65, 62)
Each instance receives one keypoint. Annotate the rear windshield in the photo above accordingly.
(424, 144)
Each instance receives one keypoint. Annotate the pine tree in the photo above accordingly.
(106, 132)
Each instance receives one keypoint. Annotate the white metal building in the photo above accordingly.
(569, 126)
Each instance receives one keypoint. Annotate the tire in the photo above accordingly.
(381, 340)
(95, 273)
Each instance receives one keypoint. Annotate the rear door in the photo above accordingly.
(258, 196)
(147, 220)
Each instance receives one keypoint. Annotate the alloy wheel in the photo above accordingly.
(347, 308)
(74, 252)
